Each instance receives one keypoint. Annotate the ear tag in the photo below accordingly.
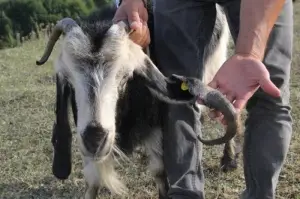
(184, 86)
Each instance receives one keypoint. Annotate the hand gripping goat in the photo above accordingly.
(118, 98)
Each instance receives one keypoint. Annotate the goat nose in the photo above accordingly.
(94, 138)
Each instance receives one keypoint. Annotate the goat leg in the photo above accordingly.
(163, 184)
(91, 192)
(232, 150)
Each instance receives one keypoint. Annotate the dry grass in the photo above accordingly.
(27, 105)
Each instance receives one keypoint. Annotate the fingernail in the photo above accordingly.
(224, 123)
(135, 24)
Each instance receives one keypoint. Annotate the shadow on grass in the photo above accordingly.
(48, 187)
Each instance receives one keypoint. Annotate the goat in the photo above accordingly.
(118, 96)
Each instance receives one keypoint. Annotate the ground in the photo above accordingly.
(27, 113)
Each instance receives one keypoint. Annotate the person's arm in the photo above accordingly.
(257, 18)
(244, 72)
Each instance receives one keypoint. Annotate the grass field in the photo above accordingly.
(27, 114)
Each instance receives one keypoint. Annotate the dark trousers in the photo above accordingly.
(181, 29)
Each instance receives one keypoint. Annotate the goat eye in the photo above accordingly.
(184, 86)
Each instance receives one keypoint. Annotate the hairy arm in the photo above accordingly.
(243, 73)
(257, 19)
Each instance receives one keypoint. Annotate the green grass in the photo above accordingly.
(26, 117)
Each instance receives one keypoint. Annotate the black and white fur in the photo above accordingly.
(118, 97)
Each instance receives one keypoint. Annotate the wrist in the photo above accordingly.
(247, 56)
(251, 45)
(250, 53)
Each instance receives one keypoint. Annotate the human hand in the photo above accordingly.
(135, 12)
(239, 78)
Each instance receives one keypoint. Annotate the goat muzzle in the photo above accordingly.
(95, 140)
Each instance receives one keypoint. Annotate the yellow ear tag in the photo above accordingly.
(184, 86)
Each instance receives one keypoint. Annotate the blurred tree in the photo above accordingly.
(22, 17)
(6, 32)
(101, 3)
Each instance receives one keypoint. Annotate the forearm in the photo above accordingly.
(257, 18)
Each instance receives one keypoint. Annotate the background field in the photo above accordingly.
(26, 117)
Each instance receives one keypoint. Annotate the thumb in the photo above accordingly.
(213, 84)
(134, 20)
(267, 85)
(239, 104)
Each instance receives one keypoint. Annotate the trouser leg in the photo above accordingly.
(182, 29)
(269, 124)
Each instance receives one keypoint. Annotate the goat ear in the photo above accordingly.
(168, 89)
(62, 135)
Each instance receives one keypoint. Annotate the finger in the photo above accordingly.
(137, 33)
(230, 97)
(144, 14)
(220, 118)
(218, 114)
(214, 114)
(267, 85)
(134, 20)
(134, 25)
(148, 39)
(239, 104)
(145, 36)
(223, 121)
(134, 33)
(136, 36)
(213, 84)
(140, 37)
(222, 90)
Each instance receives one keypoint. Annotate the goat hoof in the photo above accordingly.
(162, 196)
(228, 164)
(91, 192)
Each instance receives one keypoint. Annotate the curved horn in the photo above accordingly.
(214, 99)
(62, 26)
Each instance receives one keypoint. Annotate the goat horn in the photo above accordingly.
(169, 87)
(214, 99)
(62, 26)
